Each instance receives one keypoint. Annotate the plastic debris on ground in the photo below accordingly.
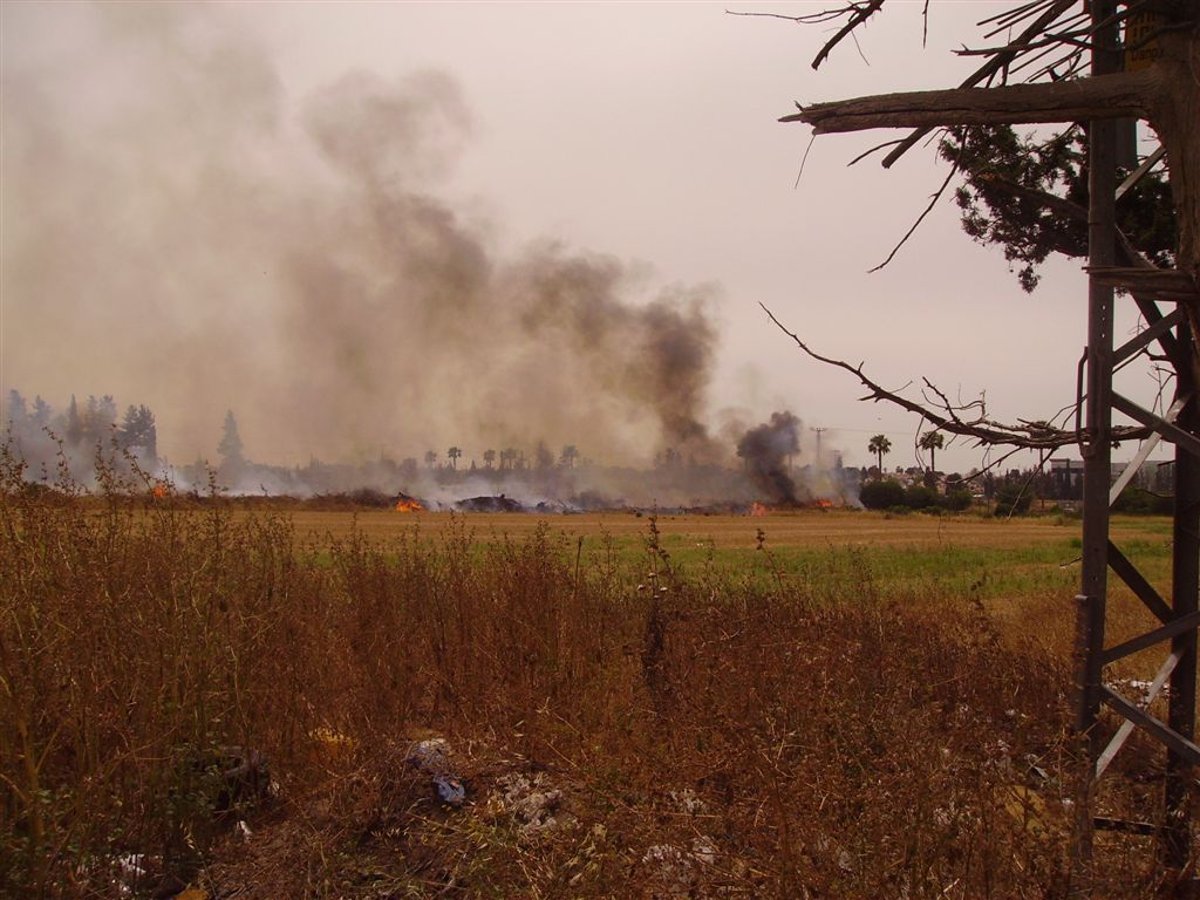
(432, 757)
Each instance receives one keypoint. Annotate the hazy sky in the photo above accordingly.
(191, 218)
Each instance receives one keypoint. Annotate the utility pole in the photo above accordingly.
(818, 431)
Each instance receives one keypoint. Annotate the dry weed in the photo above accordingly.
(698, 732)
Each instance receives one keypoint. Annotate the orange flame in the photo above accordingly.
(159, 491)
(408, 504)
(824, 504)
(757, 509)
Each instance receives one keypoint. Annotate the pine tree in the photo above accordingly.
(230, 447)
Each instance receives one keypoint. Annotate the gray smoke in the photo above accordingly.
(174, 232)
(767, 452)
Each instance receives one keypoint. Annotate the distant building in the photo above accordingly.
(1066, 478)
(1162, 476)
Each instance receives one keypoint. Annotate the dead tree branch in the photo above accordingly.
(988, 70)
(860, 15)
(968, 420)
(937, 195)
(855, 14)
(1123, 95)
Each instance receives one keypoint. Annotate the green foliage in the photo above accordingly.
(957, 500)
(1013, 499)
(1141, 502)
(880, 446)
(999, 205)
(918, 496)
(138, 430)
(890, 494)
(882, 494)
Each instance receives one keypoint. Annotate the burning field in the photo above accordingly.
(406, 504)
(766, 468)
(503, 504)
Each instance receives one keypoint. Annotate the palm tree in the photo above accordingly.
(489, 456)
(454, 453)
(879, 445)
(932, 441)
(569, 455)
(430, 458)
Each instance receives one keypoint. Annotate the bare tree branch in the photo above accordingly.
(1070, 33)
(867, 153)
(987, 71)
(858, 47)
(860, 15)
(1007, 18)
(952, 417)
(817, 18)
(856, 13)
(937, 195)
(803, 160)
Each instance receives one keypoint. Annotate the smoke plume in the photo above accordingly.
(175, 230)
(767, 451)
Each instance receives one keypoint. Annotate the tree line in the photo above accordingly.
(41, 435)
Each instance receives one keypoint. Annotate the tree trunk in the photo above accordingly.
(1175, 116)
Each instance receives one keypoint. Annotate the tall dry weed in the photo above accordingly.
(825, 741)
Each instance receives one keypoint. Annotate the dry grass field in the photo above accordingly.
(812, 529)
(1023, 570)
(249, 702)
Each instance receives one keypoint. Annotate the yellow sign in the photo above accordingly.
(1141, 48)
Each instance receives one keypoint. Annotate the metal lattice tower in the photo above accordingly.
(1176, 610)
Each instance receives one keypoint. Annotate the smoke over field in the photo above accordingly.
(768, 450)
(175, 229)
(180, 232)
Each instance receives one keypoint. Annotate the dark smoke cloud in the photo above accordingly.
(175, 232)
(767, 451)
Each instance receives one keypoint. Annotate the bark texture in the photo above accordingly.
(1117, 96)
(1175, 115)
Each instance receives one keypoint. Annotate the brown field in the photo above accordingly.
(814, 704)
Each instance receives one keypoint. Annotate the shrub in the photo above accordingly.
(1013, 499)
(1141, 502)
(957, 500)
(882, 494)
(920, 497)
